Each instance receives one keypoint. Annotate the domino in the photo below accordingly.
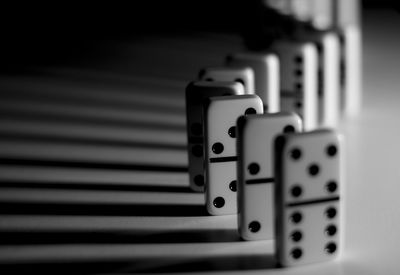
(266, 73)
(352, 71)
(256, 135)
(299, 70)
(307, 197)
(329, 54)
(322, 14)
(196, 93)
(244, 75)
(220, 115)
(302, 10)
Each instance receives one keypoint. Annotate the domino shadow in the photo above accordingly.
(234, 263)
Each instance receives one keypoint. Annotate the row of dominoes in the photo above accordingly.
(239, 153)
(282, 182)
(293, 77)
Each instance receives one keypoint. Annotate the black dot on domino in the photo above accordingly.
(296, 217)
(313, 169)
(197, 151)
(298, 72)
(199, 180)
(253, 168)
(250, 111)
(331, 186)
(196, 129)
(298, 59)
(239, 80)
(296, 253)
(298, 104)
(331, 150)
(296, 236)
(254, 226)
(330, 230)
(232, 132)
(288, 129)
(299, 86)
(330, 248)
(233, 186)
(219, 202)
(330, 212)
(296, 191)
(217, 148)
(295, 153)
(209, 79)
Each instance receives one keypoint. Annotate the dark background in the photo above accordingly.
(64, 33)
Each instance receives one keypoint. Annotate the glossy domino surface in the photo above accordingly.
(221, 114)
(196, 93)
(256, 135)
(308, 188)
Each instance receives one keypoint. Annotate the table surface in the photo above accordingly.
(186, 239)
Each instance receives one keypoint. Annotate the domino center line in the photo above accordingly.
(261, 180)
(223, 159)
(315, 201)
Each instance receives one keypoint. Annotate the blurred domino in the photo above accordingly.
(221, 114)
(299, 80)
(302, 10)
(266, 73)
(322, 14)
(352, 75)
(256, 135)
(307, 197)
(196, 93)
(328, 47)
(244, 75)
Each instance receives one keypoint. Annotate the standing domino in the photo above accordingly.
(244, 75)
(299, 71)
(352, 75)
(196, 93)
(328, 46)
(221, 114)
(256, 135)
(307, 197)
(266, 73)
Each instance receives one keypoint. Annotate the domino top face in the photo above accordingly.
(244, 75)
(256, 135)
(266, 73)
(196, 93)
(307, 192)
(299, 81)
(221, 114)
